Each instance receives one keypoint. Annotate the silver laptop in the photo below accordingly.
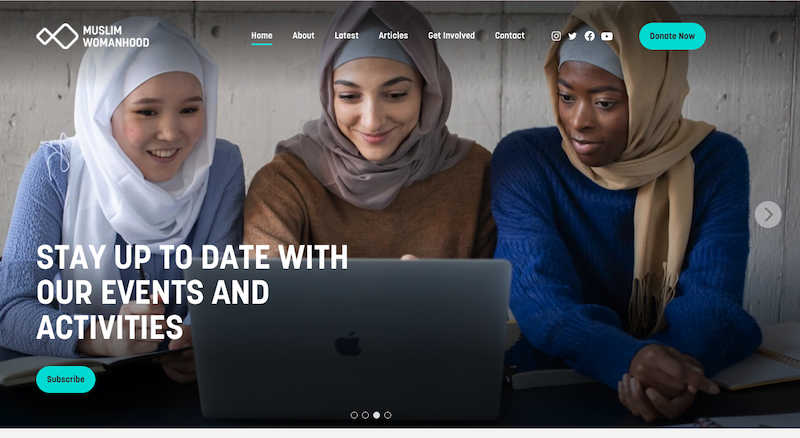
(383, 340)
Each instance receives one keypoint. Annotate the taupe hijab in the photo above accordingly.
(430, 148)
(657, 159)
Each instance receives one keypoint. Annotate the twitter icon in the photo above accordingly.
(572, 35)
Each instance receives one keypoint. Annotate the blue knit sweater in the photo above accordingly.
(36, 221)
(571, 245)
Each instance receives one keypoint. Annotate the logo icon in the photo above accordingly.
(607, 36)
(589, 35)
(572, 35)
(555, 35)
(348, 346)
(54, 36)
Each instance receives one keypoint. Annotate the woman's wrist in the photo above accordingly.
(92, 347)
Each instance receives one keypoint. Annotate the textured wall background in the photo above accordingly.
(743, 80)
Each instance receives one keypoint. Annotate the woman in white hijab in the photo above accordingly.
(144, 168)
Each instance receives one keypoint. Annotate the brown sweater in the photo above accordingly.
(447, 215)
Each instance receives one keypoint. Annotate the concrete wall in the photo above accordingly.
(743, 81)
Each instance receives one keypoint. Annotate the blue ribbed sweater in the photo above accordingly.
(571, 245)
(36, 220)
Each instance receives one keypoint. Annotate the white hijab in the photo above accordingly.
(106, 193)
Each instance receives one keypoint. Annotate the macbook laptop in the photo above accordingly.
(383, 340)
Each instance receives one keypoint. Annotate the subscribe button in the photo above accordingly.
(672, 36)
(71, 379)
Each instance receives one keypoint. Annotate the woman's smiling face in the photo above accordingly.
(377, 104)
(593, 107)
(158, 124)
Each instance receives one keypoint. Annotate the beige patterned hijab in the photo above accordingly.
(657, 159)
(430, 148)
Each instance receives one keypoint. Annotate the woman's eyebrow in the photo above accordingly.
(388, 83)
(151, 100)
(346, 83)
(600, 89)
(604, 88)
(396, 80)
(146, 100)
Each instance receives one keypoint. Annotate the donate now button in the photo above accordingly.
(72, 379)
(672, 36)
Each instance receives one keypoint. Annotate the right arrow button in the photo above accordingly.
(768, 214)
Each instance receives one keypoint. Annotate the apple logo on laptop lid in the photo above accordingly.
(348, 346)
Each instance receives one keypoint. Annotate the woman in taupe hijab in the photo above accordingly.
(378, 171)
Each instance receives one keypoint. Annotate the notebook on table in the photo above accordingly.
(23, 370)
(776, 360)
(383, 340)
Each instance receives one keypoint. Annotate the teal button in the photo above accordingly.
(75, 380)
(672, 36)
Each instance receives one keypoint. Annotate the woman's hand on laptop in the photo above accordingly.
(180, 366)
(124, 346)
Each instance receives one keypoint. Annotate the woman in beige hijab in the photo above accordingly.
(627, 224)
(379, 171)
